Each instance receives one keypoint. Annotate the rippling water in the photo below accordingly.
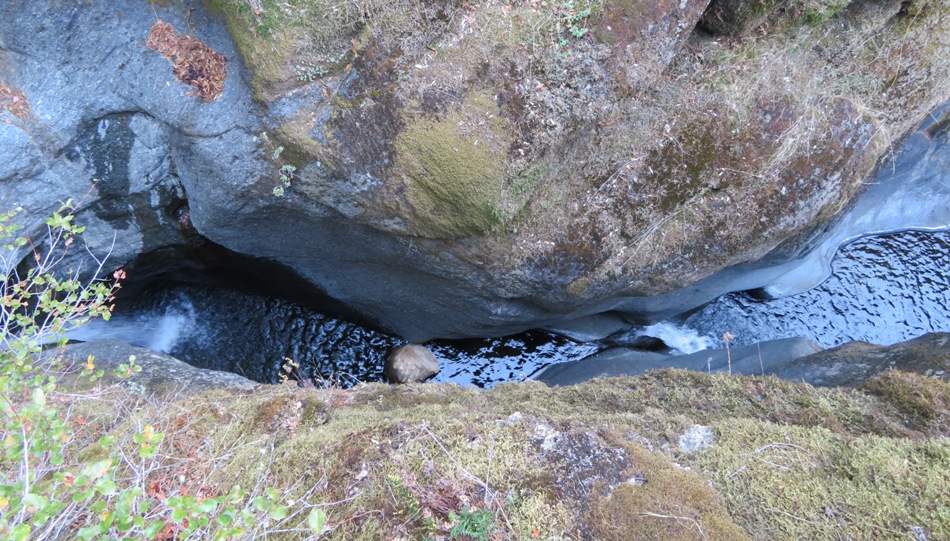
(884, 290)
(266, 339)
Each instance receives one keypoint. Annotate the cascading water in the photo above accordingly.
(266, 339)
(885, 289)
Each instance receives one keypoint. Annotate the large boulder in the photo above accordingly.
(452, 169)
(771, 357)
(160, 375)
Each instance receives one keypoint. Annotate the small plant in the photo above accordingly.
(572, 19)
(57, 484)
(286, 172)
(472, 524)
(309, 72)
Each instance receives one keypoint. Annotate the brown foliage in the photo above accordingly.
(194, 63)
(14, 102)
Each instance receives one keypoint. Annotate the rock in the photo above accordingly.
(697, 438)
(161, 374)
(762, 358)
(480, 185)
(853, 363)
(768, 357)
(410, 363)
(737, 18)
(796, 359)
(608, 363)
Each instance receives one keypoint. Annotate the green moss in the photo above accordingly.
(924, 401)
(453, 168)
(788, 482)
(265, 41)
(789, 462)
(666, 502)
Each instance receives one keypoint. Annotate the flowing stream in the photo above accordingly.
(890, 282)
(884, 289)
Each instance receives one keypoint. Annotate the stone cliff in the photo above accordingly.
(450, 169)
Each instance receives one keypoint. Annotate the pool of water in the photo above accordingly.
(884, 289)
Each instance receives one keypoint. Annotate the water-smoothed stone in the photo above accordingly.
(764, 358)
(411, 363)
(160, 374)
(796, 359)
(442, 181)
(853, 363)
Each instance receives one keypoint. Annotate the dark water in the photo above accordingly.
(884, 290)
(267, 339)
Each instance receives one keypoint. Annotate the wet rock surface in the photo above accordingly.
(411, 363)
(484, 186)
(763, 358)
(161, 375)
(794, 359)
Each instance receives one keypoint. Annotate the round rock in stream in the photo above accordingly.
(410, 363)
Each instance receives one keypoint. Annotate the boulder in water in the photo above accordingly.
(411, 363)
(855, 362)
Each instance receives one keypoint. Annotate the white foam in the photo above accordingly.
(152, 330)
(682, 339)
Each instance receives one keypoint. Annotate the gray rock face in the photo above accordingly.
(764, 358)
(797, 359)
(160, 375)
(461, 186)
(410, 364)
(111, 128)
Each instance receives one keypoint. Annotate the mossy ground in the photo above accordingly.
(599, 460)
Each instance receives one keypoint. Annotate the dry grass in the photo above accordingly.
(193, 62)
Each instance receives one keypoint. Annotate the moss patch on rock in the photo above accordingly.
(601, 460)
(453, 167)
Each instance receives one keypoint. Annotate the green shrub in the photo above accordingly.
(51, 485)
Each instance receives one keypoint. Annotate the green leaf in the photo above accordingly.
(317, 519)
(39, 397)
(105, 486)
(82, 496)
(207, 506)
(179, 514)
(89, 532)
(20, 532)
(278, 512)
(33, 502)
(154, 529)
(225, 517)
(98, 469)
